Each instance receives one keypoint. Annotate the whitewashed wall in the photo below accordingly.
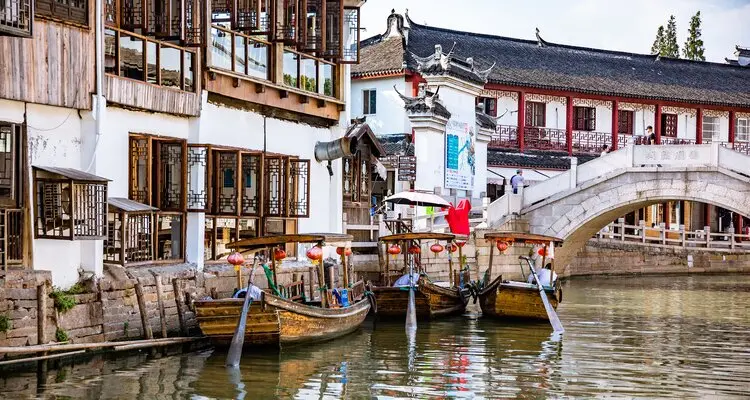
(508, 108)
(555, 115)
(390, 116)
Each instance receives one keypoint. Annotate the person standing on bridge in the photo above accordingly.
(651, 135)
(605, 150)
(516, 180)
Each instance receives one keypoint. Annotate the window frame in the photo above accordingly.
(715, 133)
(669, 124)
(23, 23)
(536, 110)
(490, 105)
(369, 103)
(584, 118)
(746, 133)
(628, 122)
(57, 11)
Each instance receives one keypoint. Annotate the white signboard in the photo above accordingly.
(459, 155)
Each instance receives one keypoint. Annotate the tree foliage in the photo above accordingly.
(693, 49)
(665, 44)
(658, 42)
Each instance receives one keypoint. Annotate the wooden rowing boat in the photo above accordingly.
(515, 299)
(277, 321)
(431, 300)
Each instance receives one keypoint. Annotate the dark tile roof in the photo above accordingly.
(397, 144)
(554, 66)
(532, 159)
(361, 131)
(380, 56)
(440, 63)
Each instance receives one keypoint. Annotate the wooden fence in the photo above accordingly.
(660, 235)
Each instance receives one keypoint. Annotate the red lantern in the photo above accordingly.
(542, 251)
(414, 249)
(502, 246)
(394, 250)
(452, 248)
(315, 254)
(437, 248)
(344, 250)
(279, 254)
(461, 244)
(236, 259)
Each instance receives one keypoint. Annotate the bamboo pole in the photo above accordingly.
(345, 264)
(178, 300)
(492, 251)
(160, 302)
(450, 264)
(387, 277)
(41, 312)
(88, 346)
(144, 312)
(40, 358)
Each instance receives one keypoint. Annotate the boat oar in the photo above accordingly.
(411, 308)
(551, 314)
(238, 340)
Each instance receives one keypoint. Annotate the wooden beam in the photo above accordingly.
(235, 82)
(284, 94)
(304, 99)
(260, 88)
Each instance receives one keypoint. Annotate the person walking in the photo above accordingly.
(516, 180)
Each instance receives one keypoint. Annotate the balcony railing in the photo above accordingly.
(505, 137)
(676, 140)
(308, 73)
(545, 139)
(133, 56)
(239, 53)
(590, 142)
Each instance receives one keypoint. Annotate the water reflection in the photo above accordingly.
(625, 337)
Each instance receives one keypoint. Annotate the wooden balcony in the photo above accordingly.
(251, 69)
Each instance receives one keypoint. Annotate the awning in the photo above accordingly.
(128, 205)
(71, 173)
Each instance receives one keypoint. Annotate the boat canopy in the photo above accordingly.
(521, 237)
(328, 239)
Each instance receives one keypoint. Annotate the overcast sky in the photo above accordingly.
(607, 24)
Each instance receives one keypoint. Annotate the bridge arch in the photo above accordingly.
(576, 215)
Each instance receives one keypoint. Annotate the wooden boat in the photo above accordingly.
(515, 299)
(431, 300)
(288, 319)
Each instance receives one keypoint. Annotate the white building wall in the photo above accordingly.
(555, 115)
(507, 110)
(390, 116)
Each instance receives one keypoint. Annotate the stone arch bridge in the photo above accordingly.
(578, 203)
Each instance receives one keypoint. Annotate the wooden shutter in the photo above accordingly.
(274, 169)
(198, 178)
(132, 15)
(350, 36)
(333, 35)
(298, 189)
(311, 26)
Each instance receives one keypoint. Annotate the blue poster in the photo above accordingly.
(459, 155)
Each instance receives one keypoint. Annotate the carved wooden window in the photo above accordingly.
(286, 190)
(252, 16)
(10, 164)
(16, 18)
(333, 34)
(12, 228)
(298, 191)
(669, 125)
(287, 14)
(250, 185)
(220, 231)
(70, 204)
(535, 114)
(75, 11)
(584, 118)
(133, 14)
(226, 182)
(172, 20)
(158, 172)
(130, 232)
(197, 179)
(275, 177)
(742, 130)
(625, 122)
(311, 26)
(350, 41)
(170, 234)
(350, 178)
(364, 175)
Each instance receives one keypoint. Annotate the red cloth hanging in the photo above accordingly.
(458, 217)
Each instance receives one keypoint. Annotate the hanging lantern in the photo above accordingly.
(502, 246)
(414, 249)
(279, 254)
(452, 248)
(344, 250)
(437, 248)
(542, 252)
(315, 254)
(460, 244)
(394, 250)
(236, 259)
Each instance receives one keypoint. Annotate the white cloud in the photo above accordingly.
(625, 26)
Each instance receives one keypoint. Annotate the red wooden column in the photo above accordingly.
(738, 223)
(657, 124)
(667, 213)
(569, 124)
(615, 123)
(699, 126)
(732, 129)
(521, 119)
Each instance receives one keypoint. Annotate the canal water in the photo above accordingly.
(680, 337)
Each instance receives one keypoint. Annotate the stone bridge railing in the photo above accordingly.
(659, 235)
(629, 158)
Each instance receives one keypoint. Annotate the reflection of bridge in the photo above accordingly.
(576, 204)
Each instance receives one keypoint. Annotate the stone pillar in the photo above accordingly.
(521, 119)
(657, 123)
(194, 240)
(569, 124)
(615, 124)
(573, 172)
(699, 126)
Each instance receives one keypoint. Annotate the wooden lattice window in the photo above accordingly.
(220, 231)
(130, 232)
(350, 175)
(250, 184)
(535, 114)
(287, 15)
(158, 172)
(197, 179)
(75, 11)
(669, 125)
(10, 162)
(172, 20)
(311, 26)
(350, 41)
(286, 190)
(275, 177)
(11, 236)
(584, 118)
(298, 191)
(16, 18)
(333, 34)
(70, 204)
(625, 122)
(252, 16)
(226, 183)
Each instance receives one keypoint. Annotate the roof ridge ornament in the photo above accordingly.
(425, 102)
(541, 42)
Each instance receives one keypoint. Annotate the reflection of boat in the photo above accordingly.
(512, 299)
(431, 300)
(277, 320)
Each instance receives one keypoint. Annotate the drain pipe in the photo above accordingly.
(100, 100)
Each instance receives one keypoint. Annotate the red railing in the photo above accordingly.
(590, 142)
(545, 139)
(742, 147)
(505, 137)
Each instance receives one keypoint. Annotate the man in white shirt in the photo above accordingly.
(516, 180)
(544, 275)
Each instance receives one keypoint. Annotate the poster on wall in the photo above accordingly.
(459, 155)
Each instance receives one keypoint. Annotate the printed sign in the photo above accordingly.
(407, 168)
(459, 155)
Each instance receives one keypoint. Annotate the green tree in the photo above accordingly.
(658, 42)
(693, 49)
(671, 48)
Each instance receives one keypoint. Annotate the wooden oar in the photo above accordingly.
(551, 314)
(238, 340)
(411, 308)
